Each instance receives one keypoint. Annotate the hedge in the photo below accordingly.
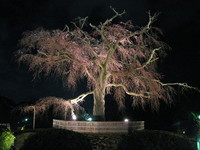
(56, 139)
(156, 140)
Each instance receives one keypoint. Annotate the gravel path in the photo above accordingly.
(104, 141)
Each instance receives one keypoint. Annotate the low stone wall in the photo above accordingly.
(99, 126)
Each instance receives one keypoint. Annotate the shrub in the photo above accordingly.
(156, 140)
(56, 139)
(6, 140)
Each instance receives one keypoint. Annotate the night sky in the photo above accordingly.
(179, 20)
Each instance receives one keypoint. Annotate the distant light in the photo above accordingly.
(183, 132)
(198, 117)
(22, 128)
(126, 120)
(26, 119)
(89, 119)
(74, 117)
(198, 144)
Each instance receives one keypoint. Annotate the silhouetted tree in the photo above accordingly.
(114, 58)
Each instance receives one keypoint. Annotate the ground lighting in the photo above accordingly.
(74, 117)
(89, 119)
(126, 120)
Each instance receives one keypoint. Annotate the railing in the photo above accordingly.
(99, 126)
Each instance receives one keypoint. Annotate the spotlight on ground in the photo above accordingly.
(126, 120)
(89, 119)
(74, 117)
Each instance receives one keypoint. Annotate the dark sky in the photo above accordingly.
(179, 20)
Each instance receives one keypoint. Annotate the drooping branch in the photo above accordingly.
(128, 92)
(66, 56)
(184, 85)
(60, 56)
(30, 108)
(89, 74)
(42, 53)
(80, 97)
(60, 106)
(34, 109)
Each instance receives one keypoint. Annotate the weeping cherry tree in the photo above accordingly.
(114, 58)
(60, 107)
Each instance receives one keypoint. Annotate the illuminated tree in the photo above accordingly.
(114, 58)
(60, 106)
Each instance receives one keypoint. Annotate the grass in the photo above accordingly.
(20, 138)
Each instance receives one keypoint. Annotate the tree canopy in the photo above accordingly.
(117, 58)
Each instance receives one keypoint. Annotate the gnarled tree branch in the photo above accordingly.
(184, 85)
(80, 97)
(150, 60)
(128, 92)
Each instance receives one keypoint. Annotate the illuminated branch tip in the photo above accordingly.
(66, 28)
(118, 14)
(185, 85)
(152, 19)
(150, 60)
(80, 97)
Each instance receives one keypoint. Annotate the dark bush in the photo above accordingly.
(56, 139)
(156, 140)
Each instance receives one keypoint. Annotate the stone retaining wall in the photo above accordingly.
(99, 126)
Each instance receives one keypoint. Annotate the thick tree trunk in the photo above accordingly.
(99, 95)
(99, 104)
